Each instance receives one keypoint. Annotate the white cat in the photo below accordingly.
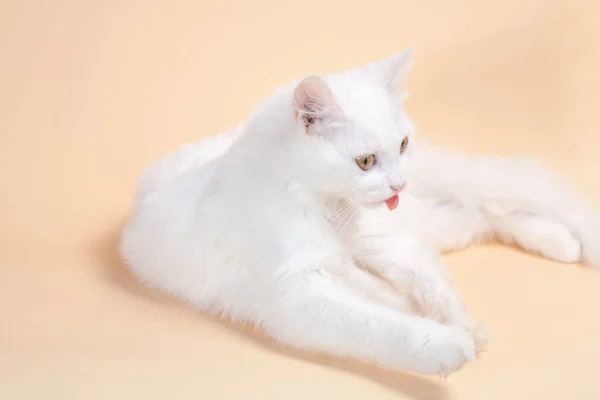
(293, 221)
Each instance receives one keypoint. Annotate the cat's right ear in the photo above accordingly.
(392, 71)
(314, 102)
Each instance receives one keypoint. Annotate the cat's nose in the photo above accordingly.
(398, 187)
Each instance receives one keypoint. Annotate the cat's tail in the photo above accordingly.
(189, 157)
(505, 193)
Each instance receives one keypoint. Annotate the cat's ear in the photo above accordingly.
(392, 71)
(314, 101)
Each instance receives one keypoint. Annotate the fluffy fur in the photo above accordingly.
(277, 224)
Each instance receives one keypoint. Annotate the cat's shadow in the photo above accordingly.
(406, 383)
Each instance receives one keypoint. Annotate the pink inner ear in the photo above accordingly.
(313, 100)
(306, 119)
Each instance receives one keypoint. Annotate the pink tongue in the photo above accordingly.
(392, 202)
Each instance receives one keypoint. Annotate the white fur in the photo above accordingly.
(275, 223)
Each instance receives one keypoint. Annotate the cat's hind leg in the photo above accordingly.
(539, 235)
(450, 226)
(512, 193)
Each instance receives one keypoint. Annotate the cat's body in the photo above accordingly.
(276, 223)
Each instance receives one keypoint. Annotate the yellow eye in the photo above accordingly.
(365, 162)
(403, 145)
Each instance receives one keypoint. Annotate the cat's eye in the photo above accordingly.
(365, 162)
(403, 145)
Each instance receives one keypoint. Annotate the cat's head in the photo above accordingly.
(359, 137)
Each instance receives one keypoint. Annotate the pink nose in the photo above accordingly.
(397, 188)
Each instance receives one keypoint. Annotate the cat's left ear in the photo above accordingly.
(314, 102)
(392, 71)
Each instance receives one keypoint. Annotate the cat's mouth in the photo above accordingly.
(392, 202)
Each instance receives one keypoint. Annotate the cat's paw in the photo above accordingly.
(444, 350)
(442, 303)
(475, 329)
(591, 255)
(590, 243)
(479, 335)
(437, 304)
(437, 299)
(549, 238)
(558, 243)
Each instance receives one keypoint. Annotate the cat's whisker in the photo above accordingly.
(342, 220)
(342, 210)
(347, 216)
(351, 214)
(348, 205)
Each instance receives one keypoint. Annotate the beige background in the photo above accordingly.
(91, 91)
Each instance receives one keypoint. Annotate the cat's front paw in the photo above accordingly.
(442, 303)
(479, 335)
(444, 350)
(590, 244)
(591, 256)
(433, 292)
(475, 329)
(436, 302)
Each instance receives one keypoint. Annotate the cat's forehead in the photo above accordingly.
(376, 120)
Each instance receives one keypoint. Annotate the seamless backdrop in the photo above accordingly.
(91, 91)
